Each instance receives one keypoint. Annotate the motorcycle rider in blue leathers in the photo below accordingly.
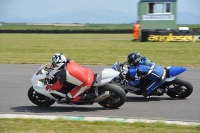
(140, 67)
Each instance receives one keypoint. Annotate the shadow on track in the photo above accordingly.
(53, 109)
(142, 99)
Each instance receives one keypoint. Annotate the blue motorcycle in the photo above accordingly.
(174, 87)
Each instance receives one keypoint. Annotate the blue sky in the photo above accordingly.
(46, 10)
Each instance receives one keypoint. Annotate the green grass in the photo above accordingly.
(50, 27)
(93, 49)
(23, 26)
(62, 126)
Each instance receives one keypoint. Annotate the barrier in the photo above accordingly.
(159, 35)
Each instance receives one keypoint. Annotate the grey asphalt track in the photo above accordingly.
(15, 82)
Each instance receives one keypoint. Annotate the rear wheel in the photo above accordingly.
(39, 99)
(179, 88)
(117, 96)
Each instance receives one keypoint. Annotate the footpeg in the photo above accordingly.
(161, 90)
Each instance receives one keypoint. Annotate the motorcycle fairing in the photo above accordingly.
(105, 76)
(116, 66)
(176, 70)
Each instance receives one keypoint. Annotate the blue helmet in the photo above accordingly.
(133, 58)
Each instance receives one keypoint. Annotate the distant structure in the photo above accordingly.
(157, 14)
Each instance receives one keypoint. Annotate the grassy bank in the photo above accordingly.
(61, 126)
(65, 26)
(93, 49)
(24, 26)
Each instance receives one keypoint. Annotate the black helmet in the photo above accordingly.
(133, 58)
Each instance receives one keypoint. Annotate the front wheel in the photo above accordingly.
(117, 96)
(179, 88)
(39, 99)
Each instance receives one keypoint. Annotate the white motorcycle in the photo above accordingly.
(105, 93)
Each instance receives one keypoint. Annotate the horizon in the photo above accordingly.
(95, 11)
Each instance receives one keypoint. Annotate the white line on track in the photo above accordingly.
(51, 117)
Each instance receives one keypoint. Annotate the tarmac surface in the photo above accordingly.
(15, 82)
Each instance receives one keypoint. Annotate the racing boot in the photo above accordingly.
(89, 97)
(84, 98)
(144, 93)
(66, 99)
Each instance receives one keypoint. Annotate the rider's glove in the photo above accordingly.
(48, 86)
(124, 71)
(49, 74)
(124, 82)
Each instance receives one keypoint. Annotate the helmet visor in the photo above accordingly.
(54, 64)
(130, 61)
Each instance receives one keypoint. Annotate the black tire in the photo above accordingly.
(39, 99)
(113, 82)
(182, 88)
(117, 98)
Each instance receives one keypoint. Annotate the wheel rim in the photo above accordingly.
(178, 89)
(38, 98)
(111, 101)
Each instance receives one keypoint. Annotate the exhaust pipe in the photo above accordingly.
(102, 97)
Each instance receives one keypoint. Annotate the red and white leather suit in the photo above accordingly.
(77, 75)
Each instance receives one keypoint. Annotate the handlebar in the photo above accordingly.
(120, 67)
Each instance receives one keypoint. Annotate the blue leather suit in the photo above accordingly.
(146, 68)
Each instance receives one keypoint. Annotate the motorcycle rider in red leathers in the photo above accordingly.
(69, 71)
